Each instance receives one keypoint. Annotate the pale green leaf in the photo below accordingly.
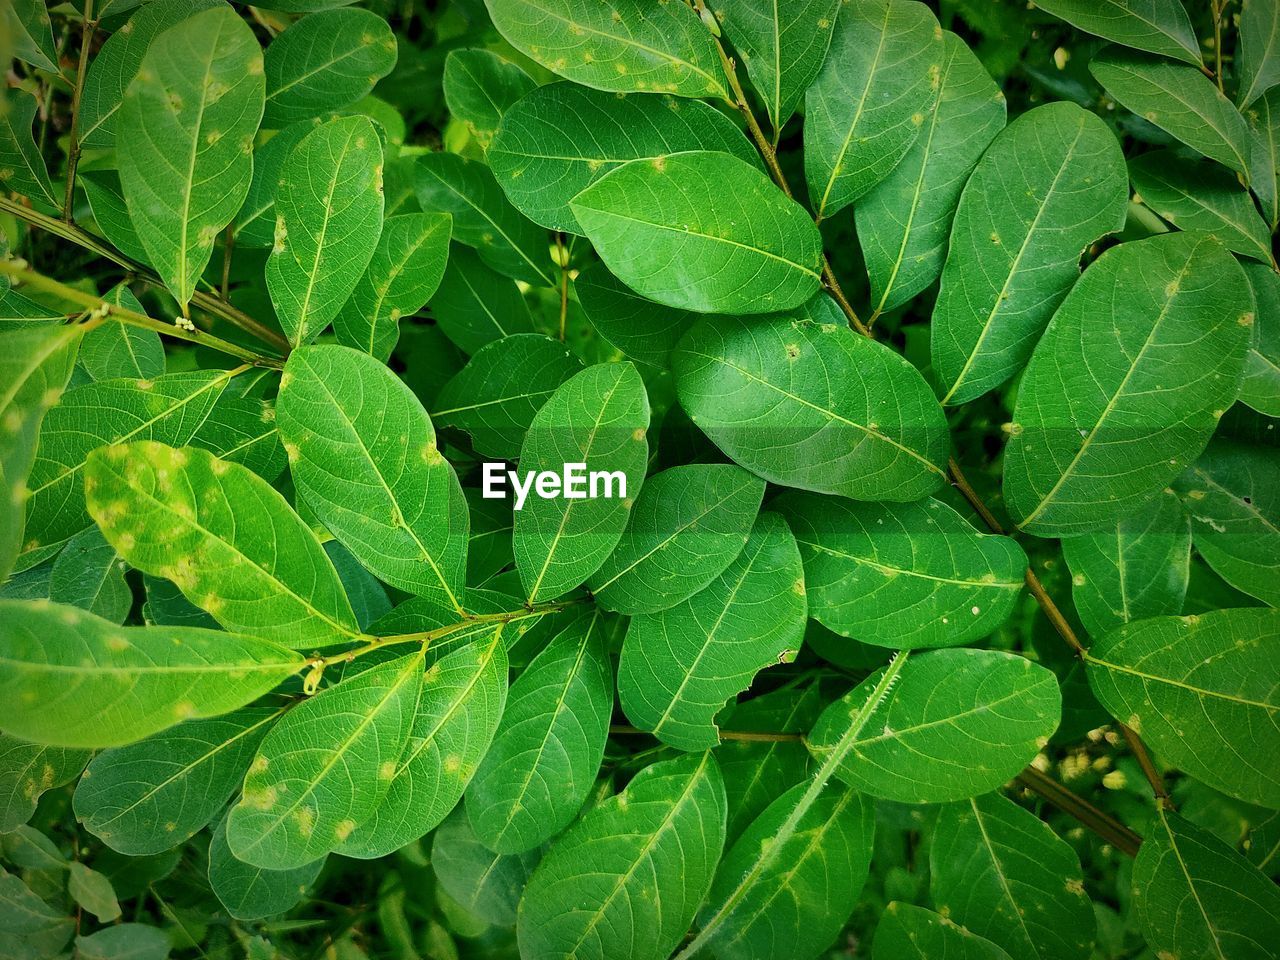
(681, 665)
(22, 168)
(325, 767)
(906, 932)
(186, 131)
(626, 880)
(1004, 874)
(1258, 55)
(231, 542)
(1203, 692)
(488, 884)
(702, 231)
(802, 400)
(88, 574)
(641, 329)
(118, 349)
(625, 46)
(1157, 26)
(1261, 386)
(29, 34)
(124, 941)
(252, 893)
(27, 771)
(599, 418)
(869, 103)
(475, 305)
(1127, 384)
(903, 575)
(328, 220)
(92, 891)
(687, 526)
(102, 685)
(1051, 184)
(480, 86)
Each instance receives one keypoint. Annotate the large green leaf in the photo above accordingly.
(1258, 55)
(328, 221)
(405, 271)
(1127, 384)
(101, 685)
(1136, 568)
(154, 795)
(1004, 874)
(626, 880)
(1202, 691)
(681, 665)
(480, 86)
(547, 751)
(249, 892)
(325, 767)
(803, 401)
(27, 771)
(641, 329)
(185, 140)
(1196, 897)
(561, 138)
(495, 397)
(1178, 99)
(1261, 386)
(1052, 183)
(959, 723)
(363, 455)
(702, 231)
(1157, 26)
(794, 906)
(475, 305)
(906, 932)
(463, 698)
(325, 62)
(486, 883)
(687, 526)
(904, 575)
(220, 532)
(622, 45)
(598, 418)
(35, 365)
(1233, 495)
(1263, 117)
(904, 221)
(22, 168)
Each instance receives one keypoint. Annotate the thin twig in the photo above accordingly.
(228, 244)
(1103, 824)
(744, 735)
(89, 28)
(562, 256)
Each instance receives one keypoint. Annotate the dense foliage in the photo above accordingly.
(922, 361)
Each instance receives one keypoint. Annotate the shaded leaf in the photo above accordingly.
(255, 224)
(22, 168)
(641, 329)
(118, 349)
(29, 35)
(249, 892)
(27, 771)
(88, 574)
(475, 305)
(480, 86)
(906, 932)
(488, 884)
(1261, 386)
(1258, 56)
(111, 215)
(1157, 26)
(92, 891)
(124, 941)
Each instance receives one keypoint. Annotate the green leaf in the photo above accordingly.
(1135, 569)
(480, 86)
(626, 880)
(774, 394)
(255, 224)
(28, 33)
(325, 62)
(154, 795)
(1178, 99)
(904, 576)
(92, 891)
(1258, 55)
(904, 221)
(463, 697)
(1194, 896)
(475, 305)
(405, 271)
(1002, 873)
(643, 330)
(1157, 26)
(325, 767)
(1261, 386)
(625, 46)
(1201, 691)
(1051, 184)
(124, 941)
(869, 103)
(186, 132)
(1263, 117)
(395, 502)
(27, 771)
(35, 364)
(794, 905)
(914, 933)
(252, 893)
(687, 526)
(1201, 197)
(1127, 384)
(495, 397)
(228, 540)
(111, 215)
(598, 418)
(117, 349)
(22, 168)
(488, 884)
(328, 220)
(681, 665)
(483, 217)
(562, 138)
(88, 574)
(102, 685)
(702, 231)
(958, 724)
(547, 751)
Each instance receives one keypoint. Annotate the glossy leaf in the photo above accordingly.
(906, 932)
(249, 892)
(1051, 184)
(1157, 26)
(475, 305)
(480, 86)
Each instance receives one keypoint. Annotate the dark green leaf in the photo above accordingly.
(27, 771)
(913, 933)
(488, 884)
(1258, 56)
(1157, 26)
(641, 329)
(480, 86)
(22, 168)
(475, 305)
(249, 892)
(88, 574)
(1261, 386)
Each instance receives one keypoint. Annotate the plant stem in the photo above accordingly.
(228, 244)
(89, 28)
(744, 735)
(562, 255)
(1103, 824)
